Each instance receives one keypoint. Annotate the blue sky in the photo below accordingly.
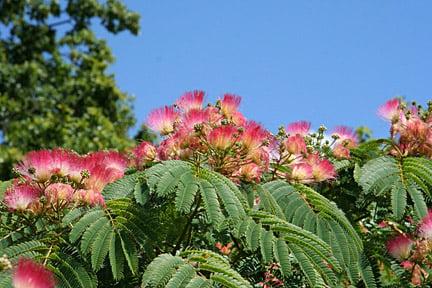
(329, 62)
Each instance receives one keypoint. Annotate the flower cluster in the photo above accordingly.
(50, 180)
(301, 156)
(413, 250)
(411, 127)
(222, 137)
(218, 134)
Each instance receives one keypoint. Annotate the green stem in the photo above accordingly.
(188, 225)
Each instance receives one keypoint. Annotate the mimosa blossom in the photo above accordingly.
(229, 105)
(30, 274)
(21, 197)
(425, 226)
(163, 119)
(300, 127)
(390, 110)
(295, 144)
(59, 193)
(41, 165)
(253, 135)
(345, 136)
(192, 100)
(400, 247)
(322, 169)
(59, 174)
(142, 154)
(222, 137)
(302, 173)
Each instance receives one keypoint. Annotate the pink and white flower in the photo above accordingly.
(142, 154)
(322, 169)
(341, 152)
(295, 144)
(112, 161)
(192, 100)
(249, 172)
(300, 127)
(41, 165)
(89, 197)
(194, 117)
(30, 274)
(229, 105)
(163, 119)
(390, 110)
(425, 226)
(253, 135)
(21, 197)
(345, 136)
(400, 247)
(59, 193)
(301, 172)
(222, 137)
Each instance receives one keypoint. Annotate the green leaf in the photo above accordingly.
(101, 245)
(399, 200)
(116, 257)
(211, 203)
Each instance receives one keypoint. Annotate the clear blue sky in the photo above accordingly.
(330, 62)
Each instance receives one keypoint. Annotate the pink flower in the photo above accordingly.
(416, 129)
(115, 162)
(346, 136)
(163, 119)
(59, 193)
(408, 265)
(21, 197)
(322, 169)
(169, 148)
(238, 119)
(300, 127)
(400, 247)
(144, 153)
(253, 135)
(249, 172)
(89, 197)
(425, 226)
(41, 165)
(195, 117)
(230, 104)
(222, 137)
(390, 110)
(30, 274)
(192, 100)
(100, 177)
(295, 144)
(341, 152)
(75, 166)
(36, 165)
(301, 172)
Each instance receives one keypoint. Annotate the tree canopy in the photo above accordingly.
(55, 89)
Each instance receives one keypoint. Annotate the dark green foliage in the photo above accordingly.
(401, 178)
(185, 270)
(183, 180)
(304, 207)
(54, 68)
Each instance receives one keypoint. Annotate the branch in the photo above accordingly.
(67, 21)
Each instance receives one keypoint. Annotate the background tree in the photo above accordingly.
(54, 86)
